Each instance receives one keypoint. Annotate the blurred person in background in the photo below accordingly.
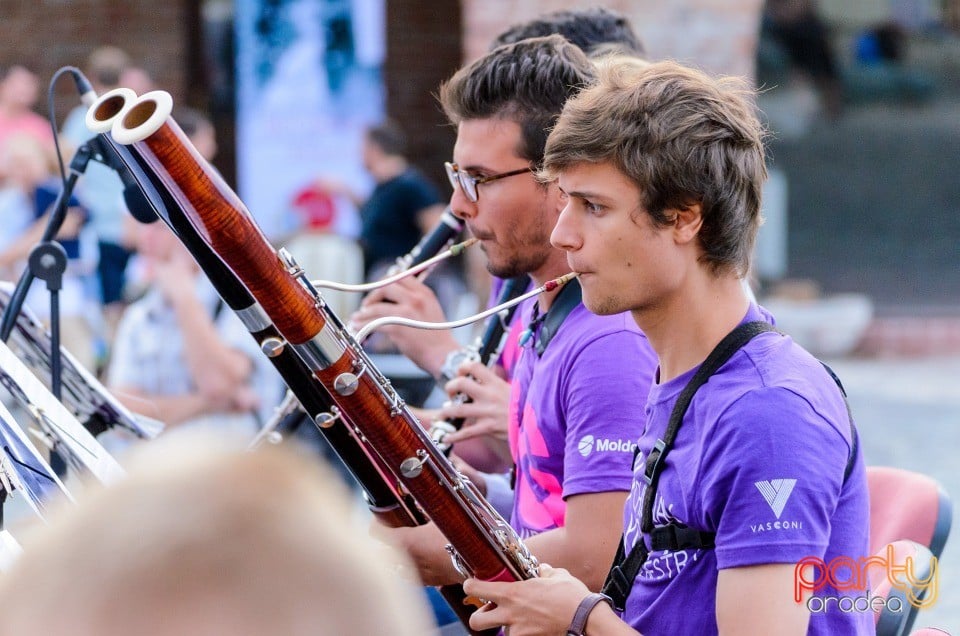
(30, 187)
(202, 538)
(138, 79)
(101, 191)
(402, 206)
(805, 37)
(19, 92)
(180, 355)
(596, 30)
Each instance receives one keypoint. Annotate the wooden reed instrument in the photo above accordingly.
(483, 544)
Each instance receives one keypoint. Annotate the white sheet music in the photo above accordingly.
(56, 420)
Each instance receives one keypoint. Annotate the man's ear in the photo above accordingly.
(687, 223)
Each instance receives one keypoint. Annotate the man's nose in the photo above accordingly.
(462, 207)
(565, 235)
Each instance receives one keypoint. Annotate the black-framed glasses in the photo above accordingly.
(469, 183)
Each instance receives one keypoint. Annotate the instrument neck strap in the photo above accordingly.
(626, 567)
(674, 536)
(543, 328)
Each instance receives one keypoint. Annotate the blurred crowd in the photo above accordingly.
(137, 310)
(166, 349)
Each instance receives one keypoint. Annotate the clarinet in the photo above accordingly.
(486, 351)
(482, 543)
(386, 495)
(433, 242)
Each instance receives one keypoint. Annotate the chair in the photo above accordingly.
(907, 505)
(331, 257)
(898, 613)
(912, 512)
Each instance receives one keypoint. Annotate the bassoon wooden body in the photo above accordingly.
(372, 414)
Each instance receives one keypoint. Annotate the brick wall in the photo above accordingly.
(48, 34)
(716, 35)
(423, 49)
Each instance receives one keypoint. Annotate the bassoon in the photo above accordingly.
(383, 494)
(482, 543)
(314, 399)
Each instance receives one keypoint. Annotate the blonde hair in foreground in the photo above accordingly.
(204, 541)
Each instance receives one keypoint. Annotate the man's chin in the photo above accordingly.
(505, 270)
(601, 306)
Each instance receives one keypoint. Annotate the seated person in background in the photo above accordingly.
(180, 354)
(29, 190)
(205, 541)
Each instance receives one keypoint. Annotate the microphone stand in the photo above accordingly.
(77, 167)
(47, 261)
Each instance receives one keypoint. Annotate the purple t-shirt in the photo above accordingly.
(760, 461)
(575, 413)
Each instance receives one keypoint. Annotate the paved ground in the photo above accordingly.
(908, 415)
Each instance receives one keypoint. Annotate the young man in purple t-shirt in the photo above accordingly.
(662, 168)
(581, 380)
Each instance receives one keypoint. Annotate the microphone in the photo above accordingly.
(137, 203)
(84, 87)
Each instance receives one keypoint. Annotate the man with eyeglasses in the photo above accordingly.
(579, 386)
(470, 182)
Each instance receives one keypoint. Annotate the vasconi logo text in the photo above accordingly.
(589, 444)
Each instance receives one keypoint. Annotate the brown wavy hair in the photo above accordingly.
(683, 137)
(527, 82)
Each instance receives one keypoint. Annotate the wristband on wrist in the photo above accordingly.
(579, 623)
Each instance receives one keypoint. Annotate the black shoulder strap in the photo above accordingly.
(568, 298)
(718, 357)
(854, 438)
(626, 567)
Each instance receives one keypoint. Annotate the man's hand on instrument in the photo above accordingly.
(486, 414)
(544, 605)
(409, 298)
(426, 547)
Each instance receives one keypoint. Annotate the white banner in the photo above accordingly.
(308, 83)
